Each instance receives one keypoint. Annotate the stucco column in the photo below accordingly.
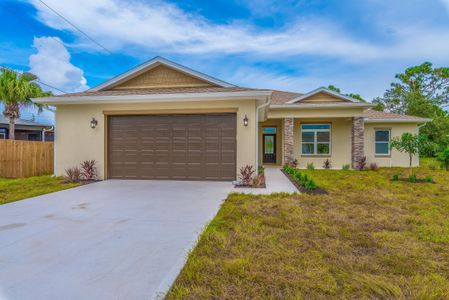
(288, 140)
(358, 140)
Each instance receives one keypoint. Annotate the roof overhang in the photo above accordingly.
(153, 98)
(321, 106)
(157, 61)
(421, 120)
(326, 91)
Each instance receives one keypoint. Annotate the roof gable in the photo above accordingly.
(322, 95)
(160, 73)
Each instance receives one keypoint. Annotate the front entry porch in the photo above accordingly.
(311, 141)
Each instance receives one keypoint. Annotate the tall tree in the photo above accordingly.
(16, 90)
(422, 91)
(421, 85)
(355, 96)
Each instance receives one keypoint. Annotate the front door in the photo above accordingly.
(269, 148)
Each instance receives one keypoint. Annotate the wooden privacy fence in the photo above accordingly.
(25, 158)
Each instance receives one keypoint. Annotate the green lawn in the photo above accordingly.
(17, 189)
(369, 238)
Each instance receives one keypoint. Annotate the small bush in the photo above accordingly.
(443, 158)
(246, 174)
(346, 167)
(310, 185)
(429, 179)
(294, 163)
(261, 170)
(361, 164)
(259, 180)
(327, 164)
(395, 177)
(432, 166)
(310, 166)
(89, 170)
(412, 178)
(373, 167)
(298, 176)
(73, 175)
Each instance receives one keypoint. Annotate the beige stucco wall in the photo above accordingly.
(279, 124)
(340, 143)
(76, 141)
(396, 159)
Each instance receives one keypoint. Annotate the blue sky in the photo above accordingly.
(288, 45)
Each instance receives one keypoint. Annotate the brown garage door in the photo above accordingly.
(187, 147)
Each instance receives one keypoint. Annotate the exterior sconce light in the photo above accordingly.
(93, 123)
(245, 121)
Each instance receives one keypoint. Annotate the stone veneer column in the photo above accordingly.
(288, 140)
(358, 140)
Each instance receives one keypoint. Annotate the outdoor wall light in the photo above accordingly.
(93, 123)
(245, 121)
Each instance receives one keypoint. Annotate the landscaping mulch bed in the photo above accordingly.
(317, 191)
(419, 180)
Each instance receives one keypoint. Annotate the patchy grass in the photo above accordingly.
(18, 189)
(369, 238)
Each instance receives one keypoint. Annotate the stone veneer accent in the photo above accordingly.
(289, 154)
(358, 140)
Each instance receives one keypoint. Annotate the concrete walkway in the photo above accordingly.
(277, 182)
(109, 240)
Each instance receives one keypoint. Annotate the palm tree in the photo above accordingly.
(16, 90)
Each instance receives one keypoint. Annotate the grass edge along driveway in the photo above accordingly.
(21, 188)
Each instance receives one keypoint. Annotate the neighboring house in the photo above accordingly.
(27, 130)
(162, 120)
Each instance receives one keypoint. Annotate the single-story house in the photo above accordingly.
(27, 130)
(162, 120)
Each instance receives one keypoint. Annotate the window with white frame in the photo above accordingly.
(315, 139)
(382, 142)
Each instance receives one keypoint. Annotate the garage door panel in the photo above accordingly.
(185, 147)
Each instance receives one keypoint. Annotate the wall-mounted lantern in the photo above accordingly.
(245, 121)
(93, 123)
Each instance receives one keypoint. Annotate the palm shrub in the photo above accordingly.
(310, 166)
(443, 158)
(16, 90)
(327, 164)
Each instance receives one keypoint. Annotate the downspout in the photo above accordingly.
(44, 130)
(258, 108)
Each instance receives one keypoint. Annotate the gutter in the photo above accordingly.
(319, 106)
(258, 108)
(399, 121)
(151, 98)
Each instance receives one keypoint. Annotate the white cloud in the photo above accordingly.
(52, 65)
(158, 26)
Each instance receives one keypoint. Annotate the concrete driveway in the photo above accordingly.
(109, 240)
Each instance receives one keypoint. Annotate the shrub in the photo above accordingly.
(310, 166)
(261, 170)
(346, 167)
(361, 164)
(294, 163)
(412, 178)
(327, 164)
(310, 185)
(429, 179)
(89, 170)
(443, 158)
(395, 177)
(246, 174)
(432, 166)
(373, 167)
(298, 176)
(258, 180)
(73, 175)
